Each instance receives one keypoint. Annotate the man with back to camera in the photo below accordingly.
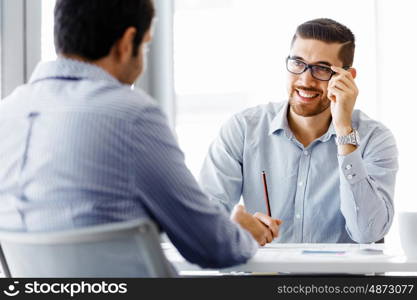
(80, 147)
(330, 169)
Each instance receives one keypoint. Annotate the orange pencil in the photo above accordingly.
(268, 207)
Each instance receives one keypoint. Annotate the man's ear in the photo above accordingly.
(147, 36)
(353, 72)
(124, 46)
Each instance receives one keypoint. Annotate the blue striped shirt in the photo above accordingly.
(79, 148)
(320, 196)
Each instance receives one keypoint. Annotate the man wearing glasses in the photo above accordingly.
(330, 169)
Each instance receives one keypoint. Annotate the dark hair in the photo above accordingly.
(90, 28)
(329, 31)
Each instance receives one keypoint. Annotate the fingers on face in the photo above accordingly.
(342, 72)
(340, 90)
(340, 87)
(343, 81)
(333, 93)
(338, 79)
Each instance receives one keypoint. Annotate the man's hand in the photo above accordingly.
(263, 228)
(342, 91)
(272, 224)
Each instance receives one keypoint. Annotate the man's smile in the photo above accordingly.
(307, 96)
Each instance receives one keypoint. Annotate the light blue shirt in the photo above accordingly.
(320, 196)
(79, 148)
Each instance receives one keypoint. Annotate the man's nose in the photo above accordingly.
(307, 79)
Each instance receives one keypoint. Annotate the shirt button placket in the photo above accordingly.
(300, 195)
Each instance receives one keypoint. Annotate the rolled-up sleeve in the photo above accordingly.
(367, 182)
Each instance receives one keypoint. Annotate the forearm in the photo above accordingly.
(347, 149)
(202, 232)
(344, 150)
(221, 243)
(366, 203)
(368, 214)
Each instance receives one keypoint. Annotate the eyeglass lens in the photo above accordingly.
(319, 72)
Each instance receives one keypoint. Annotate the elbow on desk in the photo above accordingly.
(366, 239)
(368, 236)
(370, 229)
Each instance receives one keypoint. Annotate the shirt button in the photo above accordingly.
(300, 183)
(350, 176)
(348, 167)
(297, 216)
(306, 153)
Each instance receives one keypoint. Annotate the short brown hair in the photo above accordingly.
(329, 31)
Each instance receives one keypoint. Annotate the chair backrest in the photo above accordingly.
(128, 249)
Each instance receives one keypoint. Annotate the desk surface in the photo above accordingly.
(312, 259)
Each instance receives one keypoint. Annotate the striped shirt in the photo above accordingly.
(320, 196)
(78, 148)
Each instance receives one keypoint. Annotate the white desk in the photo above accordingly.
(289, 258)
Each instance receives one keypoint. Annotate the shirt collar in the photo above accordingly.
(65, 67)
(280, 123)
(329, 134)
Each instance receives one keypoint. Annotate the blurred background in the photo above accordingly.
(213, 58)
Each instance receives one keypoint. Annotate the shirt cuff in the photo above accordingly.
(352, 167)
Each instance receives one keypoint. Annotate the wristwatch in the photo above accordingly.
(350, 139)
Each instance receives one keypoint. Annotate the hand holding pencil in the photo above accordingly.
(271, 224)
(262, 227)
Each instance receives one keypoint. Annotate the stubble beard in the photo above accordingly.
(306, 110)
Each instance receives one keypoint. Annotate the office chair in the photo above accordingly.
(128, 249)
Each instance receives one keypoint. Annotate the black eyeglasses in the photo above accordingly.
(296, 66)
